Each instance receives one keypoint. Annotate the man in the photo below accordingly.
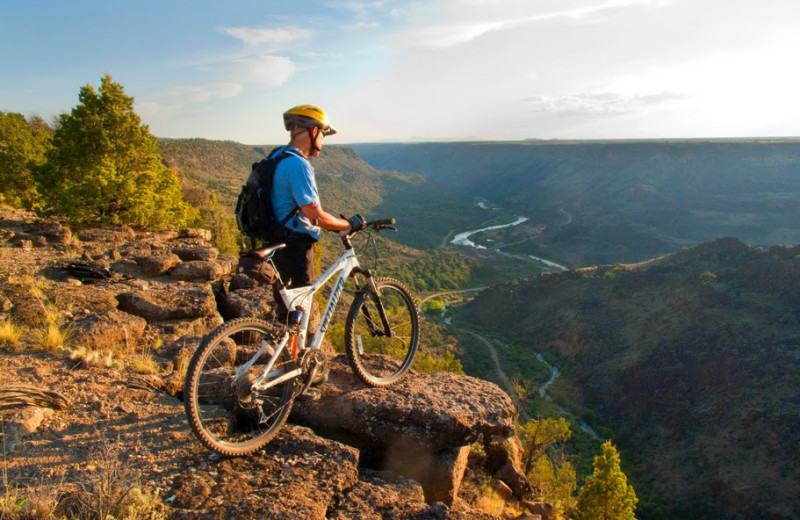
(295, 191)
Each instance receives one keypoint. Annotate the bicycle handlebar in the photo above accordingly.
(380, 224)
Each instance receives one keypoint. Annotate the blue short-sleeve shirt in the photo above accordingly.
(293, 186)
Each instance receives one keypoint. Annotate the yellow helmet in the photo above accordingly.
(307, 116)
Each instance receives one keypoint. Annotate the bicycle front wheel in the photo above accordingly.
(382, 333)
(223, 412)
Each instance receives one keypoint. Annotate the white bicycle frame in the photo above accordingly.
(301, 299)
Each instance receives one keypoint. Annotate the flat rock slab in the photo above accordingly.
(435, 411)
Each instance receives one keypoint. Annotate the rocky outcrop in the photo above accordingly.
(420, 428)
(356, 452)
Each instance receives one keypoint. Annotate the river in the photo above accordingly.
(462, 239)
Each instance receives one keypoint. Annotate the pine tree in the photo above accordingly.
(104, 167)
(606, 494)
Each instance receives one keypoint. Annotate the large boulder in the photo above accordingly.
(420, 427)
(252, 302)
(161, 302)
(108, 331)
(187, 254)
(197, 271)
(436, 411)
(158, 264)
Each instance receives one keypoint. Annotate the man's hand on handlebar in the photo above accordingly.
(357, 223)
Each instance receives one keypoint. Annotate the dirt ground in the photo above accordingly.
(138, 431)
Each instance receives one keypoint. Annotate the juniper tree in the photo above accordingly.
(104, 167)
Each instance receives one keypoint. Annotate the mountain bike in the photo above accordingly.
(243, 379)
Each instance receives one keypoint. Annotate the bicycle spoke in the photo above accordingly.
(223, 410)
(380, 358)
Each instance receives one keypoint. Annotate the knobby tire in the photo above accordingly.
(223, 413)
(377, 358)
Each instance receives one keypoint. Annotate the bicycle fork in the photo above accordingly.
(372, 293)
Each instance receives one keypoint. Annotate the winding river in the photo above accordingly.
(462, 239)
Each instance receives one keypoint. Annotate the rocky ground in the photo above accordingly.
(403, 452)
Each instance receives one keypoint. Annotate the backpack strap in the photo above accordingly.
(284, 153)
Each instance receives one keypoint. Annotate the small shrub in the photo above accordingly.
(10, 334)
(143, 364)
(28, 504)
(112, 491)
(54, 338)
(95, 358)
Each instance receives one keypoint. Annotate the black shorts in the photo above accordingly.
(295, 262)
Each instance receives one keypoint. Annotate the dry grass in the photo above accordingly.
(10, 334)
(54, 337)
(111, 492)
(94, 358)
(143, 364)
(28, 504)
(490, 501)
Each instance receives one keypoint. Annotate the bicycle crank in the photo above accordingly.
(315, 368)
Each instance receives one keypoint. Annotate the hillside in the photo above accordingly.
(691, 360)
(426, 212)
(625, 201)
(223, 166)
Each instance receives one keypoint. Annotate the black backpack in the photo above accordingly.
(254, 213)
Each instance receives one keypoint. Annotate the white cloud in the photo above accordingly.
(359, 26)
(600, 103)
(267, 70)
(447, 35)
(274, 38)
(202, 93)
(466, 25)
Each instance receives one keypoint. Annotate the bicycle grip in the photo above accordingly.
(383, 222)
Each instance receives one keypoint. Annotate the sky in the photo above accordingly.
(408, 70)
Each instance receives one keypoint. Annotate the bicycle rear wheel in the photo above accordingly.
(223, 413)
(382, 333)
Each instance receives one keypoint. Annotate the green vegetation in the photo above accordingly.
(23, 144)
(662, 351)
(440, 270)
(605, 202)
(104, 168)
(438, 352)
(607, 494)
(546, 464)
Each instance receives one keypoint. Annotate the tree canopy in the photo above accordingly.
(104, 167)
(606, 495)
(22, 148)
